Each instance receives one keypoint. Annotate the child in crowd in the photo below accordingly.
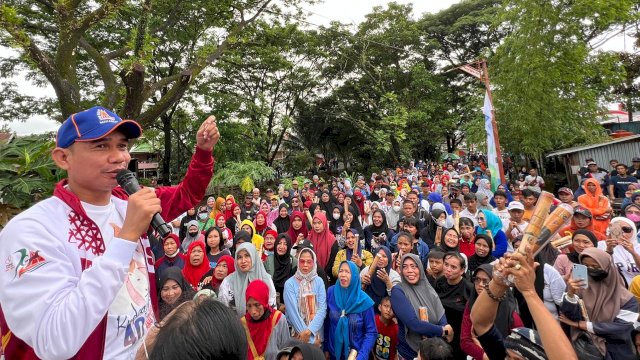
(385, 348)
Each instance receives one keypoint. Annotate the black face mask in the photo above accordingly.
(597, 274)
(193, 234)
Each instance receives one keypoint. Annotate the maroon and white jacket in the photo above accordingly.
(65, 288)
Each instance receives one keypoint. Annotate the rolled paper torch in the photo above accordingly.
(540, 213)
(553, 223)
(374, 265)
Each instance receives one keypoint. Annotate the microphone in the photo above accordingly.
(127, 180)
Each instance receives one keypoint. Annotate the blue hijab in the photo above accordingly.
(378, 289)
(351, 300)
(493, 223)
(437, 198)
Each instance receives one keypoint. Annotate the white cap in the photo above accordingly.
(515, 205)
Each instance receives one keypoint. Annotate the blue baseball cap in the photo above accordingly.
(93, 124)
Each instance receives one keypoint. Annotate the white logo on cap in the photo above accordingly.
(104, 117)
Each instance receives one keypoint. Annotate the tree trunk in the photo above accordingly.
(165, 176)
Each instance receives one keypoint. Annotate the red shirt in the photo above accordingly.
(467, 247)
(387, 340)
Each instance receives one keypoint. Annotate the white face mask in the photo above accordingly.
(440, 222)
(336, 216)
(396, 208)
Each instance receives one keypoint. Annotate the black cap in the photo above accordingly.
(303, 244)
(635, 159)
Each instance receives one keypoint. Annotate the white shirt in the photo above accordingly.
(504, 217)
(534, 183)
(474, 217)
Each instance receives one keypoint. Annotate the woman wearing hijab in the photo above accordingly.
(438, 222)
(260, 223)
(280, 265)
(228, 209)
(227, 235)
(305, 299)
(193, 235)
(378, 233)
(484, 187)
(507, 317)
(298, 228)
(190, 216)
(213, 278)
(336, 221)
(306, 352)
(248, 268)
(454, 290)
(632, 212)
(597, 203)
(323, 241)
(269, 245)
(196, 265)
(266, 329)
(483, 248)
(172, 256)
(449, 241)
(173, 290)
(219, 208)
(379, 283)
(350, 323)
(233, 222)
(483, 201)
(581, 240)
(353, 252)
(623, 247)
(610, 308)
(489, 223)
(282, 222)
(325, 202)
(413, 293)
(256, 239)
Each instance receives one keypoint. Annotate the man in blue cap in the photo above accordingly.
(79, 277)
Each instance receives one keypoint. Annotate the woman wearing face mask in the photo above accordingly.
(173, 291)
(378, 233)
(611, 309)
(350, 322)
(248, 268)
(393, 214)
(306, 299)
(267, 330)
(204, 219)
(632, 212)
(623, 247)
(193, 234)
(172, 256)
(489, 223)
(281, 265)
(581, 240)
(191, 215)
(197, 265)
(483, 247)
(213, 278)
(437, 225)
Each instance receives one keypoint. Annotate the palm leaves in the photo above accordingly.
(242, 174)
(27, 173)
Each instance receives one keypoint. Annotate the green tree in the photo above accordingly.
(547, 80)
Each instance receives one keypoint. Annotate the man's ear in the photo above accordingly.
(61, 157)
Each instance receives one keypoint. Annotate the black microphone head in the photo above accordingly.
(123, 176)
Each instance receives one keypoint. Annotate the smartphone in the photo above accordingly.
(580, 273)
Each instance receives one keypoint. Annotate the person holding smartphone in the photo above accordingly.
(611, 309)
(623, 247)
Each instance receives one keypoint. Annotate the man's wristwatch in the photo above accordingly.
(445, 332)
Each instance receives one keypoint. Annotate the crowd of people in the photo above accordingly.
(396, 266)
(419, 262)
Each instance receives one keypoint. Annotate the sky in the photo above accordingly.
(345, 11)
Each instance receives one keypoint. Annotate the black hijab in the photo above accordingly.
(475, 261)
(504, 315)
(240, 237)
(573, 255)
(443, 245)
(283, 267)
(173, 273)
(377, 230)
(333, 223)
(326, 206)
(282, 223)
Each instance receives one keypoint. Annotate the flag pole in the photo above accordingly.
(487, 84)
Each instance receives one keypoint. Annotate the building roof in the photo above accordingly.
(6, 137)
(593, 146)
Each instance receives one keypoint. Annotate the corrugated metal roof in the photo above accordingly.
(593, 146)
